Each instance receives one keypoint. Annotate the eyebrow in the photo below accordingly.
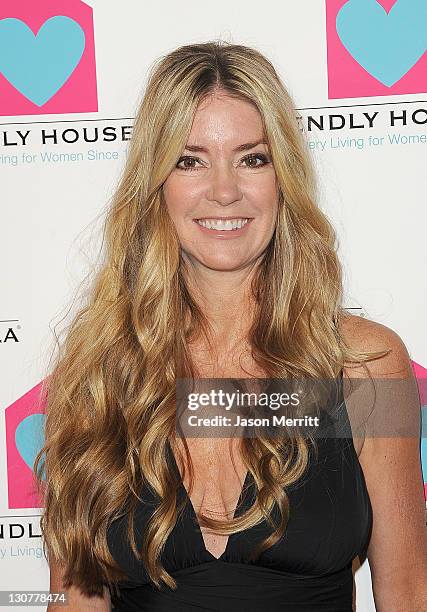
(242, 147)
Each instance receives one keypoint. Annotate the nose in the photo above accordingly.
(224, 186)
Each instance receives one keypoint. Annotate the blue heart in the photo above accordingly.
(424, 442)
(38, 66)
(29, 438)
(386, 45)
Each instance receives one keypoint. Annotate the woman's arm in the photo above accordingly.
(76, 601)
(397, 552)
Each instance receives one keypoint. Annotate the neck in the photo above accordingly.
(225, 299)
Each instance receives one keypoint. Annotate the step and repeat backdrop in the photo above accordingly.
(71, 76)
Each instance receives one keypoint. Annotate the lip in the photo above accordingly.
(224, 234)
(222, 218)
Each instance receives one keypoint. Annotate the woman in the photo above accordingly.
(184, 293)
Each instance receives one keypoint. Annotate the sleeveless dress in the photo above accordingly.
(308, 570)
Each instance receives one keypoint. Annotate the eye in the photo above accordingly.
(252, 158)
(187, 163)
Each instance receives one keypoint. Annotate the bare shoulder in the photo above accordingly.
(363, 334)
(391, 465)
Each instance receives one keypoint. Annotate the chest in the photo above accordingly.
(219, 471)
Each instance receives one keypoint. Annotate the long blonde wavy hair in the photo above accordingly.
(110, 396)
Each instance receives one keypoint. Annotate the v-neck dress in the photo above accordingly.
(308, 570)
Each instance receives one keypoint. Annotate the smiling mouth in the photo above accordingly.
(223, 224)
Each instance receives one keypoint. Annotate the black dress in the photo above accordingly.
(308, 570)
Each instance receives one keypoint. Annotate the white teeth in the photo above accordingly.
(221, 224)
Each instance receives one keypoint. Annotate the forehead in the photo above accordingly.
(224, 120)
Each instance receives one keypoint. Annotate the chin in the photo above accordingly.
(223, 266)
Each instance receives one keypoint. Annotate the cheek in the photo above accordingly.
(179, 195)
(263, 193)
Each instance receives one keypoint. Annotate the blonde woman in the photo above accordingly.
(220, 264)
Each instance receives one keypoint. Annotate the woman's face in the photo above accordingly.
(224, 179)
